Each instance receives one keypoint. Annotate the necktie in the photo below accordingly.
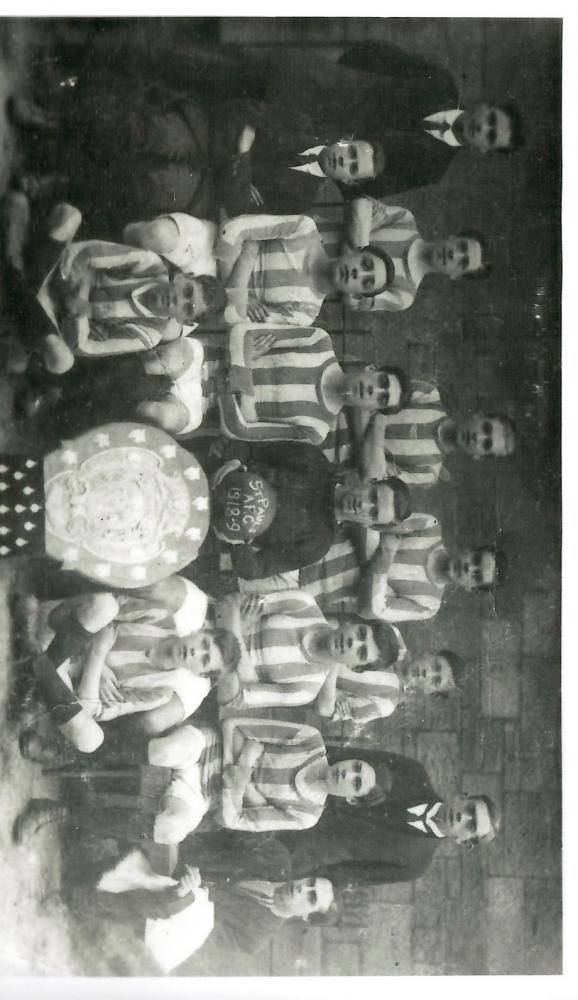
(439, 127)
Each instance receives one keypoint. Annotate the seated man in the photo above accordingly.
(406, 577)
(313, 504)
(413, 443)
(256, 775)
(96, 298)
(392, 839)
(394, 230)
(363, 694)
(290, 651)
(280, 269)
(295, 388)
(156, 657)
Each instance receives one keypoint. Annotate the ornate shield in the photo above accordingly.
(125, 505)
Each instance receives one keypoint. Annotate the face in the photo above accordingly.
(485, 437)
(348, 162)
(368, 504)
(197, 653)
(353, 644)
(484, 128)
(472, 569)
(456, 256)
(428, 674)
(358, 273)
(187, 301)
(368, 390)
(466, 818)
(303, 897)
(350, 779)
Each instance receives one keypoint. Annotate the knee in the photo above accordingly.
(170, 416)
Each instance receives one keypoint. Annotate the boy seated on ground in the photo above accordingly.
(95, 299)
(104, 657)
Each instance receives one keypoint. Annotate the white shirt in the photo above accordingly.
(445, 118)
(310, 168)
(426, 821)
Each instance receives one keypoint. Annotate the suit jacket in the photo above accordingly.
(241, 923)
(352, 845)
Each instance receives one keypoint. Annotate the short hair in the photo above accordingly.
(378, 251)
(330, 916)
(386, 637)
(378, 158)
(509, 427)
(404, 385)
(517, 129)
(380, 790)
(495, 817)
(401, 499)
(500, 563)
(485, 268)
(457, 667)
(229, 648)
(213, 293)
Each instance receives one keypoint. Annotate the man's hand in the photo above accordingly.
(262, 343)
(385, 554)
(251, 612)
(109, 691)
(255, 196)
(257, 312)
(189, 882)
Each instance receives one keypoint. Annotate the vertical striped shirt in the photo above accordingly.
(287, 401)
(279, 777)
(410, 439)
(394, 229)
(363, 697)
(285, 246)
(408, 593)
(280, 668)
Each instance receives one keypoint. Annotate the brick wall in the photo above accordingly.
(489, 344)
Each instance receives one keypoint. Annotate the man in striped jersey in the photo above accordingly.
(252, 774)
(280, 269)
(294, 388)
(289, 649)
(104, 657)
(413, 443)
(395, 231)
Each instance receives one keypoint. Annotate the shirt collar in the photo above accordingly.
(445, 116)
(426, 815)
(310, 168)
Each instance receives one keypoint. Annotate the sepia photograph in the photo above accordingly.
(280, 497)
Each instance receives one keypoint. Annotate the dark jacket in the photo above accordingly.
(353, 845)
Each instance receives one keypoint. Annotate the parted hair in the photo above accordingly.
(500, 564)
(378, 251)
(495, 821)
(213, 293)
(485, 268)
(386, 639)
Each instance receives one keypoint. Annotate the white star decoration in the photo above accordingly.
(20, 542)
(4, 509)
(30, 464)
(3, 550)
(33, 507)
(69, 457)
(4, 530)
(102, 440)
(102, 570)
(18, 475)
(193, 533)
(192, 473)
(20, 509)
(3, 487)
(28, 490)
(202, 503)
(138, 435)
(138, 572)
(168, 451)
(28, 525)
(3, 469)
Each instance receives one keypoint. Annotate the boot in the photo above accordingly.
(38, 813)
(41, 750)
